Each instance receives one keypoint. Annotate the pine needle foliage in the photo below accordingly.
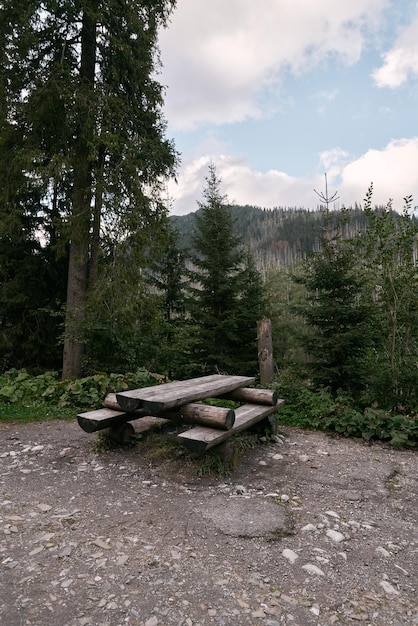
(225, 293)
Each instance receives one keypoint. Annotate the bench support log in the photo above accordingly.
(111, 416)
(253, 396)
(199, 439)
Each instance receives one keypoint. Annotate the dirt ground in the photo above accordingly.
(308, 530)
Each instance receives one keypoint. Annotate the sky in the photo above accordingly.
(278, 93)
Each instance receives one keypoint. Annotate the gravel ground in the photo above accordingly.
(308, 530)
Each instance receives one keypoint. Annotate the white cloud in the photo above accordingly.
(401, 61)
(218, 56)
(240, 184)
(392, 171)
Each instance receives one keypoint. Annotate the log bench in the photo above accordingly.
(200, 438)
(176, 402)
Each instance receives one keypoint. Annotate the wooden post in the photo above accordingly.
(265, 351)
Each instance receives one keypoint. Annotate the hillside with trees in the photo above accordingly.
(283, 236)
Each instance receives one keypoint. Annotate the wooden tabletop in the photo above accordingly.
(158, 398)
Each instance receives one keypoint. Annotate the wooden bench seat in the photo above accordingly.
(199, 439)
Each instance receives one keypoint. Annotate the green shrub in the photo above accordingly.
(306, 407)
(17, 386)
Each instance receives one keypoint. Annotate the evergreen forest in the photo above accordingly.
(98, 281)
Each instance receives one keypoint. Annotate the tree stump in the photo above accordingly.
(265, 351)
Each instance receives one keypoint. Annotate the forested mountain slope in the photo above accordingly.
(280, 236)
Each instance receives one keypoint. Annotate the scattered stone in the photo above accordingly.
(335, 536)
(290, 555)
(389, 589)
(322, 559)
(354, 524)
(313, 569)
(332, 514)
(175, 554)
(65, 552)
(279, 439)
(139, 551)
(44, 507)
(47, 537)
(382, 551)
(353, 496)
(101, 544)
(240, 490)
(309, 528)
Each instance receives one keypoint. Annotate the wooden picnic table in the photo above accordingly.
(176, 402)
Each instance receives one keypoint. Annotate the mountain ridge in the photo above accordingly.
(279, 237)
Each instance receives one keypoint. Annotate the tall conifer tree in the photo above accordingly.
(77, 80)
(225, 316)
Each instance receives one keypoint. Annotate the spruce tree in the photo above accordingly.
(167, 277)
(78, 82)
(337, 310)
(337, 313)
(224, 313)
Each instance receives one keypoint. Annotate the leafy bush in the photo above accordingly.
(17, 386)
(318, 409)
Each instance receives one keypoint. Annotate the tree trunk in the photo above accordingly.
(97, 214)
(265, 351)
(80, 220)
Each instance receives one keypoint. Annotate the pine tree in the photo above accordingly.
(225, 302)
(337, 312)
(77, 80)
(338, 318)
(168, 277)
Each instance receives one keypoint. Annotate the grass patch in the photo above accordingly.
(162, 447)
(41, 412)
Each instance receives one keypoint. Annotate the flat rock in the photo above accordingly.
(252, 517)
